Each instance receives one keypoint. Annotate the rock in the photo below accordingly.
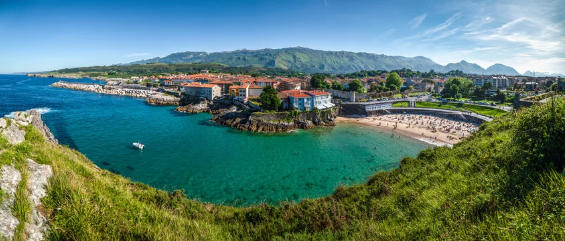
(23, 118)
(37, 122)
(13, 134)
(3, 123)
(9, 180)
(274, 122)
(39, 175)
(161, 99)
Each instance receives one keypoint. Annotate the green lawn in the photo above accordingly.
(483, 110)
(418, 93)
(400, 104)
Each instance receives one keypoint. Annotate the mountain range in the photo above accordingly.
(318, 61)
(540, 74)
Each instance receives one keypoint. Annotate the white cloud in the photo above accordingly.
(326, 3)
(414, 23)
(137, 55)
(433, 32)
(477, 24)
(516, 38)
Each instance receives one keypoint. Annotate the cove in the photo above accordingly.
(210, 162)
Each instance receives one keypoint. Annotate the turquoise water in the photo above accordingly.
(210, 162)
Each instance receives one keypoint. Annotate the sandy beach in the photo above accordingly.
(430, 129)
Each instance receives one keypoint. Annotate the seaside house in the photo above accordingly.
(289, 85)
(246, 91)
(320, 99)
(167, 82)
(300, 100)
(224, 85)
(208, 91)
(262, 82)
(305, 100)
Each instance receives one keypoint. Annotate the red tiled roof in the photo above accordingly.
(299, 95)
(318, 92)
(255, 87)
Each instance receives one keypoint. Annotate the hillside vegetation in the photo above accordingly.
(162, 68)
(318, 61)
(503, 182)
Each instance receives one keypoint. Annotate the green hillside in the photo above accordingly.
(316, 61)
(162, 68)
(503, 182)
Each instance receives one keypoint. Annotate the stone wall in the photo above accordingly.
(347, 95)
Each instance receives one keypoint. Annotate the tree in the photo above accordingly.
(457, 87)
(356, 86)
(269, 98)
(487, 86)
(318, 81)
(500, 97)
(336, 85)
(393, 81)
(429, 81)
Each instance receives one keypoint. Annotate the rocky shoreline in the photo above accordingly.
(276, 122)
(37, 177)
(238, 116)
(151, 96)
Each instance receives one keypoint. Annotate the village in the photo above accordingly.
(296, 93)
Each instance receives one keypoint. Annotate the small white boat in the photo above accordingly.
(139, 145)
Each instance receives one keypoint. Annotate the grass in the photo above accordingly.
(503, 182)
(418, 93)
(483, 110)
(400, 104)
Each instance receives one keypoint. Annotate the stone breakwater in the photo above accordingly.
(151, 96)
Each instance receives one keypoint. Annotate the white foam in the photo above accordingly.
(42, 110)
(435, 143)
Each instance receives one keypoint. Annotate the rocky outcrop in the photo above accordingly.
(162, 100)
(275, 122)
(194, 108)
(24, 118)
(37, 228)
(12, 133)
(3, 123)
(9, 180)
(34, 118)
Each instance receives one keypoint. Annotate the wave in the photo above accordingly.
(42, 110)
(432, 142)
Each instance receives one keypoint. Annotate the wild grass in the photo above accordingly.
(503, 182)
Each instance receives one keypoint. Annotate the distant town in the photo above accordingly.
(315, 91)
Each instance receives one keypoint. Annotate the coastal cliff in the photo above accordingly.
(275, 122)
(23, 180)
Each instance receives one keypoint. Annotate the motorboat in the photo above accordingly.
(139, 145)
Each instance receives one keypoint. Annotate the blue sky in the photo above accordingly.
(51, 34)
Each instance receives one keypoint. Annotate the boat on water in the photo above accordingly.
(139, 145)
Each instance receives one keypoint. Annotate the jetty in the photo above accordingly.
(151, 95)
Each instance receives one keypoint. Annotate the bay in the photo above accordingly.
(210, 162)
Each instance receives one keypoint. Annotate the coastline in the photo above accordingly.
(437, 138)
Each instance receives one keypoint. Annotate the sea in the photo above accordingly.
(212, 163)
